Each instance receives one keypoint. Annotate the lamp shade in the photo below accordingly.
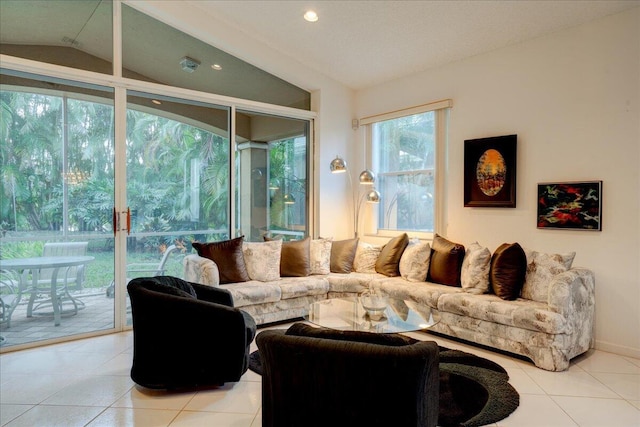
(288, 199)
(338, 165)
(367, 177)
(373, 196)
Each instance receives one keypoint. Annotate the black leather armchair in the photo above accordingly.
(318, 377)
(186, 335)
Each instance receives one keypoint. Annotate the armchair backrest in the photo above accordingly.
(321, 380)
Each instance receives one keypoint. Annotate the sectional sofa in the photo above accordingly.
(546, 315)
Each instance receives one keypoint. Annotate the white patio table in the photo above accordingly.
(57, 288)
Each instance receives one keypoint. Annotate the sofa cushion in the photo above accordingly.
(425, 293)
(262, 260)
(366, 257)
(228, 256)
(294, 287)
(352, 282)
(295, 260)
(320, 256)
(414, 263)
(541, 267)
(474, 275)
(518, 313)
(388, 262)
(508, 270)
(254, 292)
(446, 261)
(343, 253)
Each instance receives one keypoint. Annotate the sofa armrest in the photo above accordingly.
(201, 270)
(213, 294)
(573, 292)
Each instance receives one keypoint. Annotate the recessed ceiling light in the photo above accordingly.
(217, 67)
(311, 16)
(155, 101)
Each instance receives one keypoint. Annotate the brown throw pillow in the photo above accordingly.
(228, 257)
(343, 253)
(446, 262)
(508, 271)
(295, 259)
(388, 262)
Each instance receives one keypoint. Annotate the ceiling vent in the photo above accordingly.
(189, 64)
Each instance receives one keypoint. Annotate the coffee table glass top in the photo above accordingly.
(348, 314)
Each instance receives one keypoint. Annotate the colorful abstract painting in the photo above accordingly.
(573, 205)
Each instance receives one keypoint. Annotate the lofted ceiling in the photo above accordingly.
(364, 43)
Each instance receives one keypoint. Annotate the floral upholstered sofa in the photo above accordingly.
(521, 301)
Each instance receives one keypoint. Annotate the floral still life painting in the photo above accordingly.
(571, 205)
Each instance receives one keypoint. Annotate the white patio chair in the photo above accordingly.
(144, 269)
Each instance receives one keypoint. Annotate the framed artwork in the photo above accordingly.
(570, 205)
(490, 172)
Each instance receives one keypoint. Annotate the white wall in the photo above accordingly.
(572, 98)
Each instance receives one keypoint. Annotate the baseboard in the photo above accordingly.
(617, 349)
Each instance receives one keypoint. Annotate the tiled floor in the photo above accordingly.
(87, 382)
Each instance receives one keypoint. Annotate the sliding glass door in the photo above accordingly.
(57, 174)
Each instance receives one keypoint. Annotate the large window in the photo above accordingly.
(114, 145)
(405, 152)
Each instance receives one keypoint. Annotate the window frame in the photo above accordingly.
(441, 111)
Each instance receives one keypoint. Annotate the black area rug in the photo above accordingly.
(473, 391)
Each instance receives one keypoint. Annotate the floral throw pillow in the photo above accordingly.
(474, 276)
(320, 254)
(414, 263)
(366, 257)
(262, 260)
(541, 267)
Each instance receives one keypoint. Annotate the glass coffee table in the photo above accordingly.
(348, 314)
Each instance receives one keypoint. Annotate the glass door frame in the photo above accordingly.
(120, 86)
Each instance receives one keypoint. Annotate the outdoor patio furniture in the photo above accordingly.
(74, 276)
(10, 295)
(144, 269)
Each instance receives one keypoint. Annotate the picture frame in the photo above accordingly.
(575, 205)
(490, 172)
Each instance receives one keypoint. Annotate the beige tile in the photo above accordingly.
(10, 411)
(572, 382)
(217, 419)
(242, 397)
(537, 411)
(523, 382)
(118, 365)
(593, 412)
(92, 391)
(140, 397)
(626, 385)
(56, 416)
(132, 417)
(32, 389)
(600, 361)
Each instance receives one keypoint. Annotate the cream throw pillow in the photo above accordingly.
(474, 275)
(414, 263)
(366, 257)
(541, 267)
(320, 254)
(262, 260)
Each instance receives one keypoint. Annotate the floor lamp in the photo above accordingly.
(367, 177)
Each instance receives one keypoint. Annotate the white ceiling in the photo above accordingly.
(364, 43)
